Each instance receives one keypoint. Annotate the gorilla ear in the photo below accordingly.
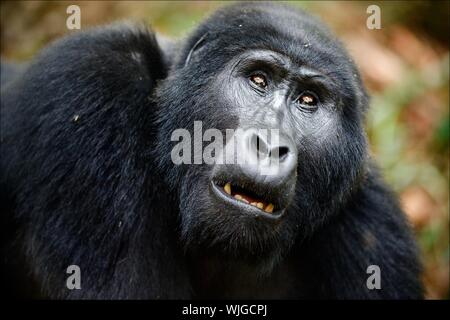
(195, 47)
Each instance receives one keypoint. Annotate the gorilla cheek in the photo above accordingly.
(316, 128)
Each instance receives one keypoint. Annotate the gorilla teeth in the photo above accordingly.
(241, 198)
(269, 208)
(227, 188)
(260, 205)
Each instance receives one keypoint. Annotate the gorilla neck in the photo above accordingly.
(214, 278)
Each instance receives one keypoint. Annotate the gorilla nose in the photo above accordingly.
(268, 153)
(259, 146)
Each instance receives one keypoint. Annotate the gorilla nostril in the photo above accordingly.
(279, 152)
(283, 152)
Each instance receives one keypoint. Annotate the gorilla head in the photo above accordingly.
(291, 75)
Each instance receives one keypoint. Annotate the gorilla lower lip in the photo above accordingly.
(243, 196)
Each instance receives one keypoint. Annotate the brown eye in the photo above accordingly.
(259, 80)
(307, 99)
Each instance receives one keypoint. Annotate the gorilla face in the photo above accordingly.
(269, 93)
(250, 70)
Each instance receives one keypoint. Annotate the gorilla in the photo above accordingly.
(88, 179)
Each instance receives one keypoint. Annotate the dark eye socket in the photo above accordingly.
(259, 80)
(307, 100)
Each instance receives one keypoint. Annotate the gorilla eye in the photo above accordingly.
(259, 80)
(308, 100)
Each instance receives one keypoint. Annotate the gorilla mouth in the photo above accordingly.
(248, 199)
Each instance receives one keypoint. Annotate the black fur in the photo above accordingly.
(87, 179)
